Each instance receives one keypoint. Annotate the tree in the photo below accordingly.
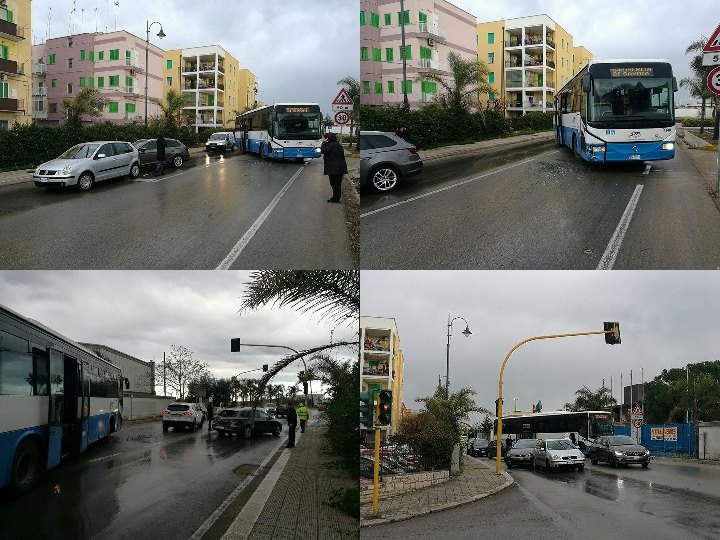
(181, 368)
(697, 85)
(173, 107)
(486, 426)
(589, 400)
(453, 410)
(88, 102)
(700, 395)
(659, 402)
(462, 89)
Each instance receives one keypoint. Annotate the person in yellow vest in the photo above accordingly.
(303, 415)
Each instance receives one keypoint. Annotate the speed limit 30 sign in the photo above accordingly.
(342, 117)
(713, 81)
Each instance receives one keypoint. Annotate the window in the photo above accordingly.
(491, 97)
(403, 17)
(491, 77)
(422, 18)
(91, 82)
(91, 56)
(5, 52)
(491, 37)
(428, 87)
(408, 52)
(129, 82)
(3, 89)
(363, 53)
(101, 55)
(69, 88)
(69, 62)
(101, 82)
(168, 81)
(82, 54)
(388, 19)
(52, 108)
(377, 54)
(113, 106)
(168, 64)
(114, 80)
(408, 87)
(391, 87)
(425, 53)
(491, 58)
(82, 82)
(129, 107)
(53, 83)
(366, 87)
(362, 18)
(375, 20)
(115, 54)
(51, 59)
(378, 88)
(14, 370)
(388, 54)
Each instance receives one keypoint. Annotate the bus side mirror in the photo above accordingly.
(675, 86)
(127, 383)
(586, 82)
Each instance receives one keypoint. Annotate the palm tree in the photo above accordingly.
(173, 107)
(589, 400)
(696, 84)
(468, 80)
(88, 102)
(292, 391)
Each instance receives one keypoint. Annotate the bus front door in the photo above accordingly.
(72, 428)
(56, 408)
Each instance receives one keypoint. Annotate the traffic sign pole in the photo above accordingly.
(713, 83)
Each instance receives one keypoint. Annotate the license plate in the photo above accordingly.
(636, 458)
(633, 156)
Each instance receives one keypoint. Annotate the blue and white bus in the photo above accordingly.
(56, 398)
(618, 110)
(281, 131)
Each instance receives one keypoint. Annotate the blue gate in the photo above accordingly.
(669, 439)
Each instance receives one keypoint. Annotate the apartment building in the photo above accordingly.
(381, 362)
(215, 86)
(15, 60)
(433, 28)
(113, 63)
(529, 59)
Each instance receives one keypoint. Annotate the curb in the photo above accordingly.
(509, 143)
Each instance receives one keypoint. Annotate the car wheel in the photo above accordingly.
(134, 170)
(165, 427)
(247, 432)
(613, 462)
(645, 465)
(194, 426)
(581, 468)
(594, 460)
(384, 179)
(85, 181)
(177, 161)
(547, 465)
(276, 431)
(25, 467)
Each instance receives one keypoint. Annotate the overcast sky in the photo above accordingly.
(615, 29)
(297, 49)
(144, 313)
(667, 319)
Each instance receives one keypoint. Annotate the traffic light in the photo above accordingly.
(265, 367)
(366, 409)
(612, 338)
(235, 344)
(498, 407)
(385, 415)
(305, 387)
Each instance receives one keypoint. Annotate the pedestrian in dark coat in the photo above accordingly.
(292, 421)
(160, 155)
(403, 132)
(209, 416)
(335, 165)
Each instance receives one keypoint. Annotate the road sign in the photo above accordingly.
(342, 118)
(711, 59)
(343, 98)
(713, 44)
(637, 422)
(713, 81)
(336, 108)
(637, 409)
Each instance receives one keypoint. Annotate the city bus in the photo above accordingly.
(588, 425)
(56, 398)
(618, 111)
(284, 131)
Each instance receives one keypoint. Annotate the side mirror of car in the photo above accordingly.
(142, 150)
(100, 156)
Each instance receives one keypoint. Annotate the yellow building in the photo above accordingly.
(215, 86)
(381, 363)
(528, 60)
(15, 63)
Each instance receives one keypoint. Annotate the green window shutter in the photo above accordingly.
(5, 52)
(389, 54)
(127, 53)
(82, 54)
(92, 55)
(388, 19)
(128, 81)
(114, 80)
(408, 87)
(491, 97)
(53, 83)
(115, 54)
(491, 37)
(363, 53)
(129, 107)
(377, 54)
(51, 59)
(391, 87)
(113, 106)
(422, 17)
(168, 64)
(362, 18)
(406, 17)
(425, 53)
(375, 20)
(82, 82)
(366, 87)
(378, 88)
(91, 82)
(101, 82)
(101, 55)
(491, 77)
(168, 81)
(3, 89)
(9, 16)
(211, 101)
(408, 52)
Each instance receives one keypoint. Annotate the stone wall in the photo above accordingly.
(402, 483)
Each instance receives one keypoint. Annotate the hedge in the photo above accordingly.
(692, 121)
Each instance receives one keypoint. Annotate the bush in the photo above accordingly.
(533, 121)
(691, 121)
(428, 437)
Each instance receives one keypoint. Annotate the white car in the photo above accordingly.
(222, 141)
(557, 454)
(183, 415)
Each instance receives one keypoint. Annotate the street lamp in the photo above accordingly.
(465, 333)
(161, 35)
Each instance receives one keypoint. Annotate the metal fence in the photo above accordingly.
(670, 440)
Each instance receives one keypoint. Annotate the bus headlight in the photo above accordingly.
(668, 146)
(317, 150)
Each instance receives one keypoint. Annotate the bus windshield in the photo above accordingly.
(601, 424)
(297, 126)
(630, 99)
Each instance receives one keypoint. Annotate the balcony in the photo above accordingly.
(11, 67)
(11, 31)
(513, 63)
(39, 69)
(432, 31)
(39, 91)
(428, 64)
(534, 41)
(130, 90)
(133, 64)
(376, 370)
(12, 105)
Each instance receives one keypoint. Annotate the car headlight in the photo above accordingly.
(668, 146)
(618, 453)
(554, 456)
(66, 169)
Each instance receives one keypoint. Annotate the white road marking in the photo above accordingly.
(245, 240)
(647, 170)
(436, 191)
(607, 261)
(105, 457)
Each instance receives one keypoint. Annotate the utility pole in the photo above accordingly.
(403, 53)
(164, 376)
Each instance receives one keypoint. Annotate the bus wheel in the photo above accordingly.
(576, 151)
(261, 153)
(25, 467)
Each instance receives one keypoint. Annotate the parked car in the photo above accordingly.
(221, 141)
(557, 454)
(238, 420)
(385, 159)
(271, 408)
(479, 447)
(281, 411)
(182, 415)
(492, 449)
(176, 153)
(620, 450)
(521, 453)
(87, 163)
(387, 466)
(202, 409)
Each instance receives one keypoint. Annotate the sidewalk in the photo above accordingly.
(477, 481)
(491, 145)
(296, 507)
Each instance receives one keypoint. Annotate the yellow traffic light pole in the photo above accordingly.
(498, 446)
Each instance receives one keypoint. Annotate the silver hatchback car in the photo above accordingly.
(87, 163)
(386, 158)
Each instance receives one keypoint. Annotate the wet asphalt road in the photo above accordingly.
(542, 210)
(665, 501)
(192, 218)
(143, 484)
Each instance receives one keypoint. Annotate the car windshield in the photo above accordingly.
(138, 144)
(560, 445)
(228, 413)
(481, 443)
(178, 407)
(218, 136)
(81, 151)
(620, 440)
(525, 443)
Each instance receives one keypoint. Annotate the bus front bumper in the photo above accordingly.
(645, 151)
(287, 152)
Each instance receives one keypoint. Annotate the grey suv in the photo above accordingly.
(175, 152)
(385, 159)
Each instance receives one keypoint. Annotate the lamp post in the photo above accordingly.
(465, 333)
(161, 35)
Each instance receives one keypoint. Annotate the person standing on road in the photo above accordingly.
(160, 155)
(508, 443)
(403, 132)
(292, 419)
(303, 415)
(209, 415)
(335, 165)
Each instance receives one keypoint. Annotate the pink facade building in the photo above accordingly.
(433, 28)
(113, 63)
